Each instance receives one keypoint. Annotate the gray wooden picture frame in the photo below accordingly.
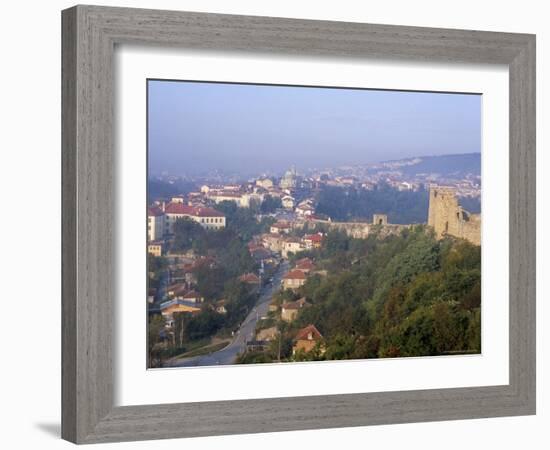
(90, 34)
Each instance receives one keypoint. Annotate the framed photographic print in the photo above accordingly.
(278, 224)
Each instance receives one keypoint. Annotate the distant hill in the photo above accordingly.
(449, 166)
(162, 189)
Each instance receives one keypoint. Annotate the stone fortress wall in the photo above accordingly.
(361, 230)
(445, 216)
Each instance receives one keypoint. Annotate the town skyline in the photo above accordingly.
(199, 128)
(302, 169)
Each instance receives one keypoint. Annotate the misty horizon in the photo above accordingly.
(196, 128)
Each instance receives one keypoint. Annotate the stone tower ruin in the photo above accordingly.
(379, 219)
(447, 217)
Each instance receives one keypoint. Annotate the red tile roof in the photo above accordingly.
(306, 265)
(203, 211)
(313, 237)
(249, 278)
(295, 275)
(197, 211)
(281, 225)
(154, 211)
(298, 304)
(303, 334)
(303, 261)
(179, 208)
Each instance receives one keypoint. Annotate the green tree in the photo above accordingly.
(154, 328)
(270, 204)
(186, 233)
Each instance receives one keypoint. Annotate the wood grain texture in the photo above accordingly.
(89, 36)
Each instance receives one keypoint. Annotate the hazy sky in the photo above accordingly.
(199, 127)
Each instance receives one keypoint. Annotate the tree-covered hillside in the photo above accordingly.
(347, 204)
(458, 165)
(407, 295)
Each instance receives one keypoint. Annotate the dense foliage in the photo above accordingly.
(155, 267)
(406, 295)
(243, 220)
(270, 204)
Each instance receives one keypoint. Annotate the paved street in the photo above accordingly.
(246, 332)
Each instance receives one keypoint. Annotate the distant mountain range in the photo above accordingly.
(448, 166)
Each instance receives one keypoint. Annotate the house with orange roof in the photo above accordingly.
(273, 242)
(290, 310)
(313, 240)
(171, 307)
(307, 338)
(294, 279)
(305, 266)
(280, 228)
(250, 278)
(292, 245)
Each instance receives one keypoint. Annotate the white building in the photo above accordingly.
(224, 196)
(242, 200)
(208, 218)
(280, 228)
(288, 202)
(289, 180)
(292, 245)
(305, 208)
(266, 183)
(155, 223)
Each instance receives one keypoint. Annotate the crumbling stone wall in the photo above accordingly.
(447, 217)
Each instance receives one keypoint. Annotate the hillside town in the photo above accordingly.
(228, 262)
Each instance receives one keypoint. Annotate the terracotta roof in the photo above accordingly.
(295, 275)
(154, 211)
(313, 237)
(293, 240)
(303, 260)
(173, 303)
(203, 211)
(306, 265)
(303, 334)
(298, 304)
(249, 278)
(178, 208)
(197, 211)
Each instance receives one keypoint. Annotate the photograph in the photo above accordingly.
(300, 224)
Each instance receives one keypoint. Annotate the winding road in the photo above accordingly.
(246, 332)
